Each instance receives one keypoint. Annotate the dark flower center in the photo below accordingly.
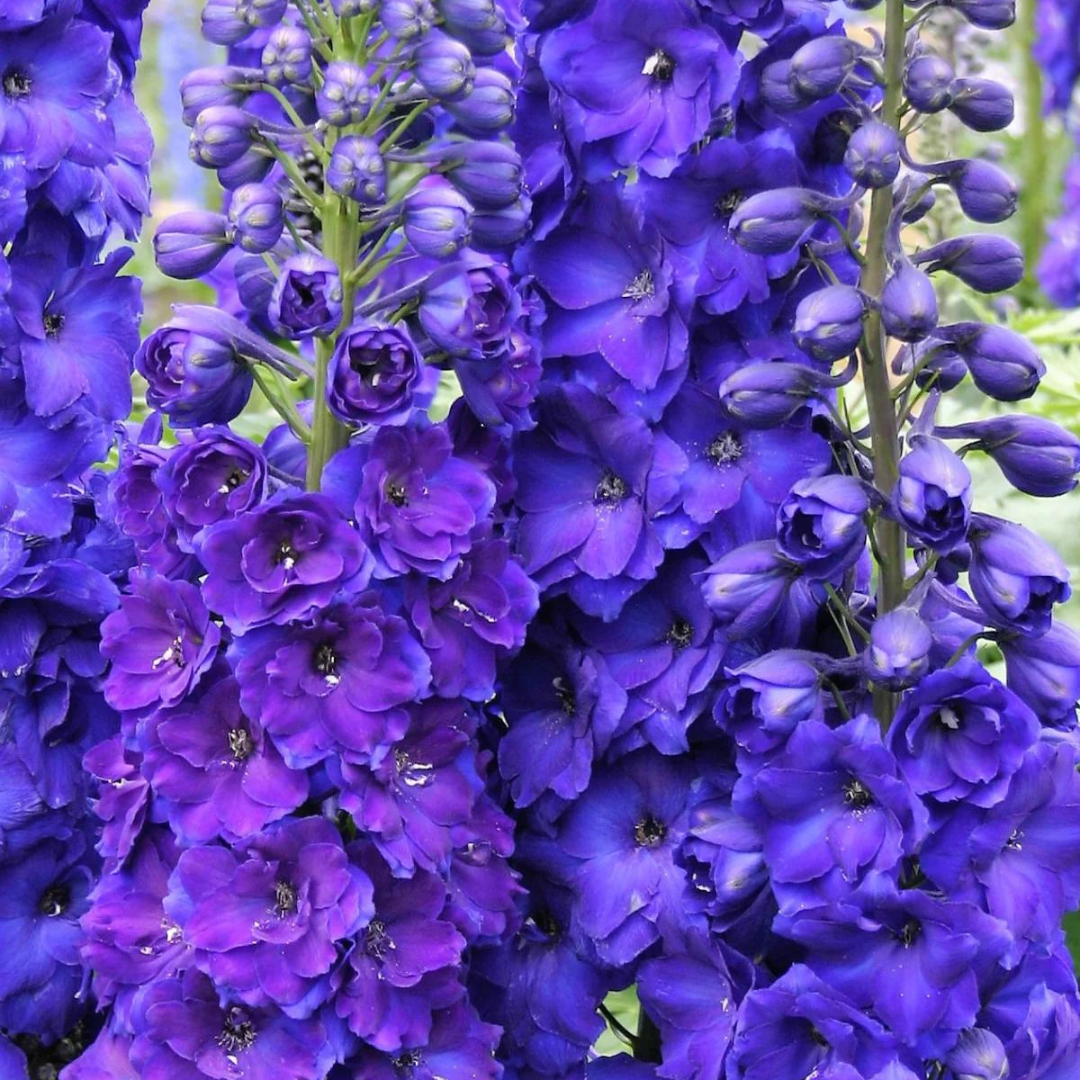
(16, 84)
(725, 449)
(54, 323)
(174, 654)
(726, 205)
(546, 924)
(284, 899)
(947, 718)
(285, 555)
(660, 66)
(641, 288)
(1013, 843)
(611, 489)
(376, 939)
(681, 633)
(326, 663)
(408, 1059)
(857, 796)
(240, 744)
(397, 495)
(238, 1034)
(233, 481)
(565, 694)
(54, 901)
(649, 832)
(908, 933)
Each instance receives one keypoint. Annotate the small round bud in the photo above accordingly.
(221, 136)
(219, 85)
(766, 395)
(223, 22)
(932, 497)
(251, 167)
(497, 229)
(480, 24)
(257, 217)
(909, 310)
(286, 57)
(408, 19)
(982, 104)
(986, 14)
(437, 219)
(345, 95)
(357, 170)
(1003, 364)
(873, 155)
(307, 297)
(190, 244)
(776, 89)
(928, 83)
(263, 13)
(349, 9)
(829, 322)
(773, 222)
(985, 193)
(898, 655)
(820, 67)
(986, 263)
(489, 109)
(444, 67)
(488, 174)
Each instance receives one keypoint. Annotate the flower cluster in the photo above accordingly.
(762, 768)
(300, 843)
(74, 152)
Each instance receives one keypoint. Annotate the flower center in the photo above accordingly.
(725, 206)
(611, 489)
(16, 84)
(659, 65)
(326, 663)
(1013, 843)
(174, 654)
(284, 899)
(54, 323)
(376, 939)
(238, 1034)
(397, 495)
(545, 922)
(54, 901)
(407, 1060)
(947, 718)
(412, 773)
(649, 832)
(641, 288)
(240, 744)
(908, 933)
(681, 633)
(285, 555)
(565, 693)
(725, 449)
(232, 481)
(857, 796)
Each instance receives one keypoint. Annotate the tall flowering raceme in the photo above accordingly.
(300, 844)
(761, 770)
(74, 151)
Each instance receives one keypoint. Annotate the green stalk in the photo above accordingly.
(883, 426)
(1033, 195)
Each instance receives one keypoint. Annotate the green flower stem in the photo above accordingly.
(1033, 195)
(889, 539)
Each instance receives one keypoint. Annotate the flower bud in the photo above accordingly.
(768, 698)
(498, 230)
(488, 174)
(932, 496)
(978, 1053)
(766, 394)
(444, 67)
(917, 205)
(349, 9)
(745, 588)
(776, 90)
(1037, 456)
(829, 322)
(263, 13)
(219, 85)
(986, 14)
(909, 310)
(373, 374)
(1002, 363)
(357, 170)
(1045, 671)
(773, 222)
(942, 367)
(190, 244)
(928, 83)
(437, 219)
(257, 216)
(307, 297)
(987, 263)
(286, 57)
(223, 22)
(820, 525)
(480, 24)
(1016, 577)
(407, 19)
(222, 134)
(820, 67)
(898, 654)
(489, 109)
(873, 155)
(254, 283)
(982, 104)
(345, 95)
(252, 167)
(985, 193)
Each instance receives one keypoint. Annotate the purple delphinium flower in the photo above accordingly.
(216, 772)
(404, 967)
(339, 679)
(373, 375)
(307, 297)
(284, 560)
(960, 734)
(264, 919)
(416, 503)
(160, 642)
